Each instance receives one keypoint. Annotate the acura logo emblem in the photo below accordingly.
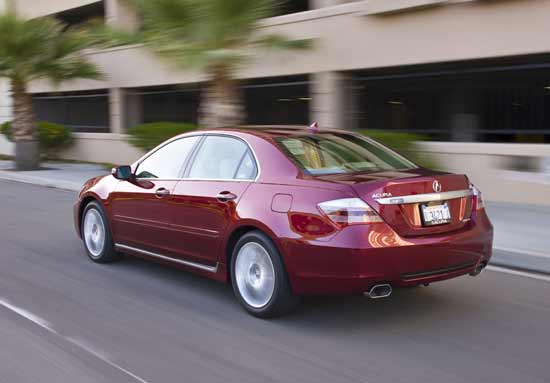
(436, 186)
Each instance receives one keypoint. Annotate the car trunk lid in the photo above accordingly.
(399, 197)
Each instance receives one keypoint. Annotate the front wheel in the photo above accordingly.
(96, 235)
(259, 278)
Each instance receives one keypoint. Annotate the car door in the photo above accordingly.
(206, 200)
(141, 208)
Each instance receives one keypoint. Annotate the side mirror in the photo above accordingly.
(123, 173)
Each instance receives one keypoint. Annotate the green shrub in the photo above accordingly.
(402, 143)
(5, 129)
(51, 137)
(149, 136)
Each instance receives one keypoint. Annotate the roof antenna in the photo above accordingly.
(314, 128)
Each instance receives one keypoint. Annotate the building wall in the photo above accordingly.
(488, 166)
(5, 115)
(36, 8)
(348, 39)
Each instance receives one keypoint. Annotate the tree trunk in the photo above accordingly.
(27, 153)
(222, 102)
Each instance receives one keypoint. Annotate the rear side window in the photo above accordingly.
(319, 154)
(167, 162)
(223, 158)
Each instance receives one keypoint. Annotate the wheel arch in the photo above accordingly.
(85, 201)
(237, 232)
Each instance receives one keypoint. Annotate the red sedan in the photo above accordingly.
(283, 212)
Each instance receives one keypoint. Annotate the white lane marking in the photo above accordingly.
(80, 344)
(28, 315)
(523, 252)
(525, 274)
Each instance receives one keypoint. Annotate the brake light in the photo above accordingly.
(349, 211)
(478, 199)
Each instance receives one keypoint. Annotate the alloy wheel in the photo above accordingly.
(255, 274)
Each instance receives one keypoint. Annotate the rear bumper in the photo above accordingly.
(360, 257)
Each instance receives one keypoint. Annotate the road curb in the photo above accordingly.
(520, 261)
(39, 181)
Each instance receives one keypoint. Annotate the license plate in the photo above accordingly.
(436, 214)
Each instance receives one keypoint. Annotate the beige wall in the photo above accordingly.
(36, 8)
(486, 165)
(5, 115)
(348, 39)
(102, 147)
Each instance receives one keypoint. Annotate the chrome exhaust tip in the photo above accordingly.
(479, 268)
(379, 291)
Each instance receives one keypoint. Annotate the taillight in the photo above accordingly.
(478, 199)
(349, 211)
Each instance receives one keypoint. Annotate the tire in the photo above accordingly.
(259, 278)
(96, 235)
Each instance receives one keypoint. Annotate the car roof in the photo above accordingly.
(273, 131)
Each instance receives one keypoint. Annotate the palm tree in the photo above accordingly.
(214, 36)
(30, 50)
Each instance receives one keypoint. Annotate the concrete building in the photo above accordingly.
(473, 75)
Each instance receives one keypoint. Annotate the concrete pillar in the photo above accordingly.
(5, 101)
(6, 147)
(331, 98)
(463, 119)
(121, 14)
(117, 107)
(134, 109)
(6, 5)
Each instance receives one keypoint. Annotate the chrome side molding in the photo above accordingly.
(430, 197)
(211, 269)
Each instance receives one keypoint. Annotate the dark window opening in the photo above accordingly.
(486, 101)
(80, 111)
(292, 6)
(171, 104)
(81, 15)
(278, 101)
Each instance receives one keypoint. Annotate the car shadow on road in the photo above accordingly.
(419, 305)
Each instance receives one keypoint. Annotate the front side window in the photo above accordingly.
(330, 153)
(223, 158)
(167, 162)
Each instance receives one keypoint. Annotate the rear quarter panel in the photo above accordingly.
(256, 209)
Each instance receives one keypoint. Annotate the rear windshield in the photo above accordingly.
(332, 153)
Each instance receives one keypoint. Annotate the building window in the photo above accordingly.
(278, 101)
(167, 103)
(80, 111)
(293, 6)
(82, 15)
(487, 101)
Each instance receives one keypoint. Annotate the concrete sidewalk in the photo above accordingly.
(522, 232)
(60, 175)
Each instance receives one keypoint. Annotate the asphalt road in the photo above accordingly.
(65, 319)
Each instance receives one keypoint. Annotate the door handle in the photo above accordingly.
(162, 192)
(226, 196)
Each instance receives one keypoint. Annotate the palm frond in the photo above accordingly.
(202, 33)
(42, 48)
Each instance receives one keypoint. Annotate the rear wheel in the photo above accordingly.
(96, 235)
(259, 278)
